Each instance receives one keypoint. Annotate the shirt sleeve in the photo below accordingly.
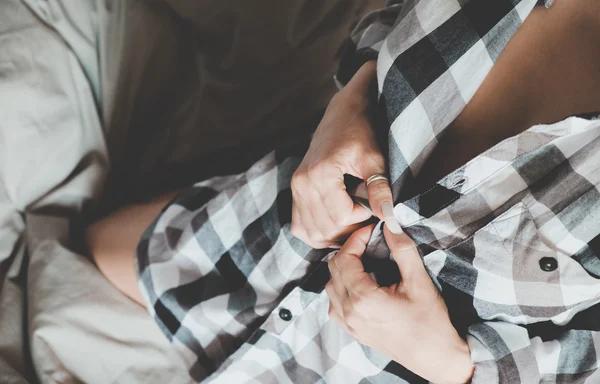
(504, 353)
(366, 39)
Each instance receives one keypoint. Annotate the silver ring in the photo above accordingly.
(375, 177)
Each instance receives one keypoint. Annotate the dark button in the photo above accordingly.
(548, 264)
(285, 314)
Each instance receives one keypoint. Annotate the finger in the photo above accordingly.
(346, 232)
(297, 229)
(339, 205)
(336, 312)
(359, 214)
(349, 263)
(380, 200)
(296, 226)
(308, 223)
(406, 255)
(322, 217)
(334, 301)
(330, 232)
(379, 193)
(336, 282)
(335, 316)
(357, 243)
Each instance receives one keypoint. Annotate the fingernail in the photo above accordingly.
(335, 246)
(387, 208)
(390, 220)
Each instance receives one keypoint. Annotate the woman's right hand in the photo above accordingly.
(323, 212)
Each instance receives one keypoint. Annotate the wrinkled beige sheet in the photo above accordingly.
(143, 88)
(54, 303)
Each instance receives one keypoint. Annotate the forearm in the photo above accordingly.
(358, 91)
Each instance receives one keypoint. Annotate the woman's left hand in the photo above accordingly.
(407, 321)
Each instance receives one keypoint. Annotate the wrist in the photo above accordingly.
(368, 69)
(447, 360)
(459, 364)
(359, 87)
(439, 362)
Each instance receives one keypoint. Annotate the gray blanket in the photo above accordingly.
(150, 90)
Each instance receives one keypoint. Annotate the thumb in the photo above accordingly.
(406, 255)
(380, 198)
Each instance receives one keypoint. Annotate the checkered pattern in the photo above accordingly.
(511, 239)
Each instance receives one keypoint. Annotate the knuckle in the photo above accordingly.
(338, 218)
(375, 158)
(315, 240)
(330, 235)
(313, 172)
(329, 288)
(315, 237)
(356, 301)
(353, 148)
(297, 180)
(360, 304)
(345, 257)
(379, 190)
(352, 318)
(416, 292)
(379, 187)
(296, 219)
(295, 230)
(330, 265)
(404, 289)
(347, 311)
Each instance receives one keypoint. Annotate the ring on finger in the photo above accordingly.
(375, 177)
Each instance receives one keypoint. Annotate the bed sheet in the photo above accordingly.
(145, 89)
(60, 321)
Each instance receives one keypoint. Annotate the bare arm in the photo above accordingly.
(112, 242)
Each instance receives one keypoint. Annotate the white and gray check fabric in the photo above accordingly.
(511, 239)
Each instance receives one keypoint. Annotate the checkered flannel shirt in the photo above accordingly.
(511, 239)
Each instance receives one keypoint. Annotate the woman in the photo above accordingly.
(494, 183)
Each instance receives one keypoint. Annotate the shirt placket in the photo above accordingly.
(298, 299)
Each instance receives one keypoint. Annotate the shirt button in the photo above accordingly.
(548, 264)
(285, 314)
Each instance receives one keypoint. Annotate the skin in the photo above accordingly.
(112, 242)
(548, 71)
(415, 314)
(526, 87)
(343, 143)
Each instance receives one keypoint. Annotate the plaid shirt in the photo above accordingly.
(511, 239)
